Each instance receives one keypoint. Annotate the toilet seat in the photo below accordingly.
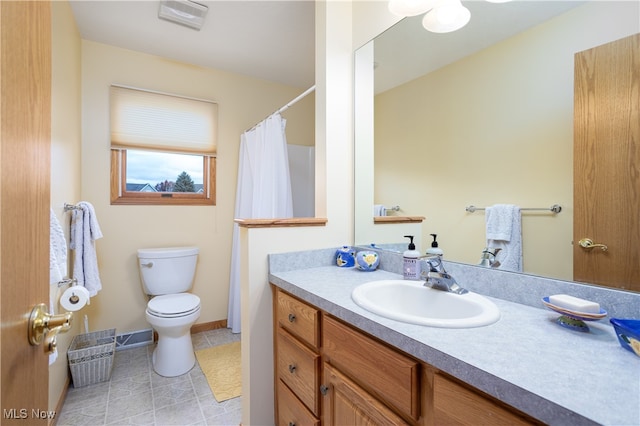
(173, 305)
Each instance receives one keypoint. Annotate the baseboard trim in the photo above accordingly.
(206, 326)
(63, 397)
(134, 339)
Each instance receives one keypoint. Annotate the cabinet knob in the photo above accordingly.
(292, 424)
(292, 317)
(324, 389)
(292, 368)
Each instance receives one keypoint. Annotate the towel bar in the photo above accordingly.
(556, 208)
(69, 207)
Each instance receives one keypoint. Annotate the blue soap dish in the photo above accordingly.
(628, 333)
(574, 320)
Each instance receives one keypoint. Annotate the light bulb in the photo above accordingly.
(410, 7)
(447, 17)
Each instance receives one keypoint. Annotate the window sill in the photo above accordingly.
(381, 220)
(279, 223)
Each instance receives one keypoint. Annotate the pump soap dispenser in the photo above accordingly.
(410, 261)
(434, 250)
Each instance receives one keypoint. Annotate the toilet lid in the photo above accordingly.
(171, 305)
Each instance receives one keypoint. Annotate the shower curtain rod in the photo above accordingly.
(286, 106)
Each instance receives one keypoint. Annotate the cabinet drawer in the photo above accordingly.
(291, 412)
(298, 317)
(454, 404)
(389, 375)
(299, 368)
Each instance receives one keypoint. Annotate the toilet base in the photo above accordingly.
(173, 356)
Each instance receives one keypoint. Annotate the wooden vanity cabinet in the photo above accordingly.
(385, 374)
(297, 361)
(330, 373)
(346, 403)
(455, 404)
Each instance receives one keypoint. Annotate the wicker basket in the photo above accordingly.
(91, 357)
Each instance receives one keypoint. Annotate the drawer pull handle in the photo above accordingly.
(324, 389)
(292, 368)
(292, 424)
(292, 317)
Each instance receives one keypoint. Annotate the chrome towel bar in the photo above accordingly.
(556, 208)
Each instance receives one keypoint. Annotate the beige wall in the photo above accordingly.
(65, 157)
(452, 155)
(82, 73)
(242, 103)
(334, 200)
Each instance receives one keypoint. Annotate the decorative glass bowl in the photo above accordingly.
(628, 333)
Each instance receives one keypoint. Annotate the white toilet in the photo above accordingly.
(167, 275)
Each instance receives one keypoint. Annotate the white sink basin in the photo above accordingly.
(412, 302)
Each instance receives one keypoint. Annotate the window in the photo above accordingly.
(163, 148)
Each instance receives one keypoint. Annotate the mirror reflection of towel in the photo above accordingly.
(379, 210)
(504, 231)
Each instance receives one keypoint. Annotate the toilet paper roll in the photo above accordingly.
(74, 298)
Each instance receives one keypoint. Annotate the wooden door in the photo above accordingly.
(25, 132)
(607, 164)
(346, 403)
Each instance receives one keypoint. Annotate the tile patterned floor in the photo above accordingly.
(136, 395)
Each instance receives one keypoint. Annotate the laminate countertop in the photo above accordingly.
(556, 375)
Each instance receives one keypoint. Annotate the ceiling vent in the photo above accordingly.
(183, 12)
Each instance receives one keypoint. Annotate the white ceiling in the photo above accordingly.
(270, 40)
(407, 51)
(275, 40)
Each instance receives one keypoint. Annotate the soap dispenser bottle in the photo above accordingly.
(434, 250)
(410, 261)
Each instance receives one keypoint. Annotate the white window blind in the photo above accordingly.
(150, 120)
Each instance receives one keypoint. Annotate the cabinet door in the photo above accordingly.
(455, 405)
(387, 374)
(345, 403)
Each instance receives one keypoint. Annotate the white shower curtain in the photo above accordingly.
(263, 192)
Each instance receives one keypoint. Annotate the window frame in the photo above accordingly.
(120, 195)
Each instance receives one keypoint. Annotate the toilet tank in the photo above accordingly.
(167, 270)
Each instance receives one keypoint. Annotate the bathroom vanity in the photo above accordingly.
(363, 380)
(336, 363)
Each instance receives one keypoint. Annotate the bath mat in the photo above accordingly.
(221, 366)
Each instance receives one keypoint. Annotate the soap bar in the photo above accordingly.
(574, 304)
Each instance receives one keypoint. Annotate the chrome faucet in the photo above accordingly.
(488, 258)
(435, 276)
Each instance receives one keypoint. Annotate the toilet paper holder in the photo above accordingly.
(68, 281)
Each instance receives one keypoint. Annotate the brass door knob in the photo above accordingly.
(45, 327)
(587, 243)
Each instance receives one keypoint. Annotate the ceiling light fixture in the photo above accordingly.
(443, 16)
(183, 12)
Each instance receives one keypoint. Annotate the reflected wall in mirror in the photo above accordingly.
(490, 125)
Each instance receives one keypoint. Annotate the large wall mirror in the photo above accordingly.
(480, 116)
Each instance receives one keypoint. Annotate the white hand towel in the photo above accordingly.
(57, 251)
(85, 230)
(57, 265)
(504, 231)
